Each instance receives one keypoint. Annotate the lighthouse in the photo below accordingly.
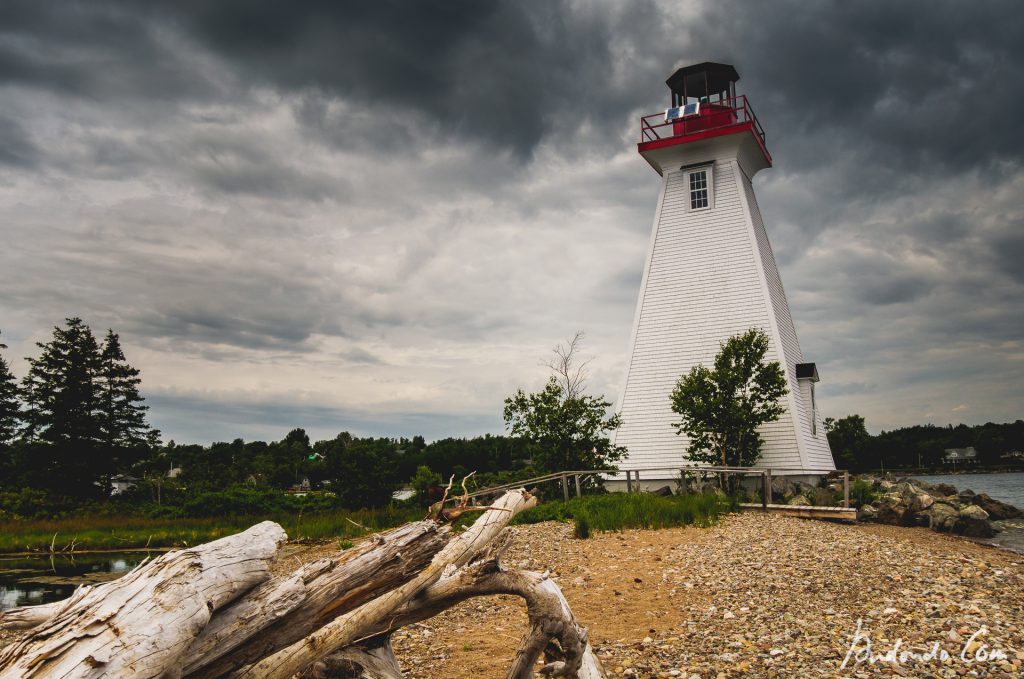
(710, 274)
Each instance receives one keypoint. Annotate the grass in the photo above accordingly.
(127, 532)
(617, 511)
(611, 512)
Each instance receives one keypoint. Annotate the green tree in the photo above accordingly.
(362, 472)
(720, 409)
(10, 408)
(62, 399)
(849, 440)
(125, 431)
(422, 481)
(565, 428)
(10, 418)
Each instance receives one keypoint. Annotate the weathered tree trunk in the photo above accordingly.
(214, 611)
(331, 587)
(141, 624)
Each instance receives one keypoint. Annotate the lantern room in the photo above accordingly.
(703, 83)
(703, 104)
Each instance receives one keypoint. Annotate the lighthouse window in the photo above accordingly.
(700, 198)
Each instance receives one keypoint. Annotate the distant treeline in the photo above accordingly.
(250, 477)
(922, 446)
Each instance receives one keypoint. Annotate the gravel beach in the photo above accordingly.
(755, 596)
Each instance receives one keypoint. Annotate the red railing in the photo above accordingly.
(713, 115)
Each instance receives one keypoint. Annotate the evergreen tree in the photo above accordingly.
(10, 410)
(122, 415)
(62, 398)
(10, 415)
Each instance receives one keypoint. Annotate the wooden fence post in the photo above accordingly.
(768, 485)
(846, 489)
(767, 489)
(579, 493)
(629, 481)
(565, 488)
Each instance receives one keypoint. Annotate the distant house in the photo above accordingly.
(1013, 455)
(122, 482)
(301, 488)
(960, 455)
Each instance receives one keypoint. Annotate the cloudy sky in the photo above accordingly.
(381, 216)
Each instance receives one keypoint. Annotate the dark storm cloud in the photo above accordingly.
(305, 179)
(504, 73)
(892, 80)
(93, 50)
(16, 148)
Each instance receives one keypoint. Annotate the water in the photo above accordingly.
(39, 579)
(1007, 488)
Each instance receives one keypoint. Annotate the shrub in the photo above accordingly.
(616, 511)
(582, 528)
(862, 493)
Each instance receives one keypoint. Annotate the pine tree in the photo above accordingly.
(122, 415)
(62, 399)
(10, 409)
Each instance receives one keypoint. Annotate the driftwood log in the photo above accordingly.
(215, 611)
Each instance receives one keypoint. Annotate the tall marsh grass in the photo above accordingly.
(617, 511)
(133, 532)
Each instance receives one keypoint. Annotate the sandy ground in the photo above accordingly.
(755, 596)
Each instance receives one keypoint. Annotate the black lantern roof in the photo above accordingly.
(703, 80)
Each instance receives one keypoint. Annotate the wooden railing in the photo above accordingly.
(633, 479)
(713, 115)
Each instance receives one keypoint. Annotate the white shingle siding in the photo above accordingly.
(710, 274)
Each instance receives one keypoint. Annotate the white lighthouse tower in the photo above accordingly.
(710, 274)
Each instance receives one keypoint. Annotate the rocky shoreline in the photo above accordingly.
(939, 507)
(909, 502)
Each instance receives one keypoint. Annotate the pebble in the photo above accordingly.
(755, 595)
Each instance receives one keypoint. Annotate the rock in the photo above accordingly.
(997, 511)
(965, 496)
(798, 500)
(782, 487)
(867, 513)
(822, 497)
(944, 489)
(920, 502)
(974, 512)
(893, 511)
(664, 491)
(942, 516)
(973, 522)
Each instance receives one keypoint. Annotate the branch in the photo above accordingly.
(348, 628)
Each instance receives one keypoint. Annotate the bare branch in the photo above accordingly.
(569, 371)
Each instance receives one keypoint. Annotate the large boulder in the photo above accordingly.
(821, 497)
(894, 511)
(997, 511)
(867, 513)
(965, 496)
(944, 490)
(942, 516)
(664, 491)
(782, 488)
(973, 522)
